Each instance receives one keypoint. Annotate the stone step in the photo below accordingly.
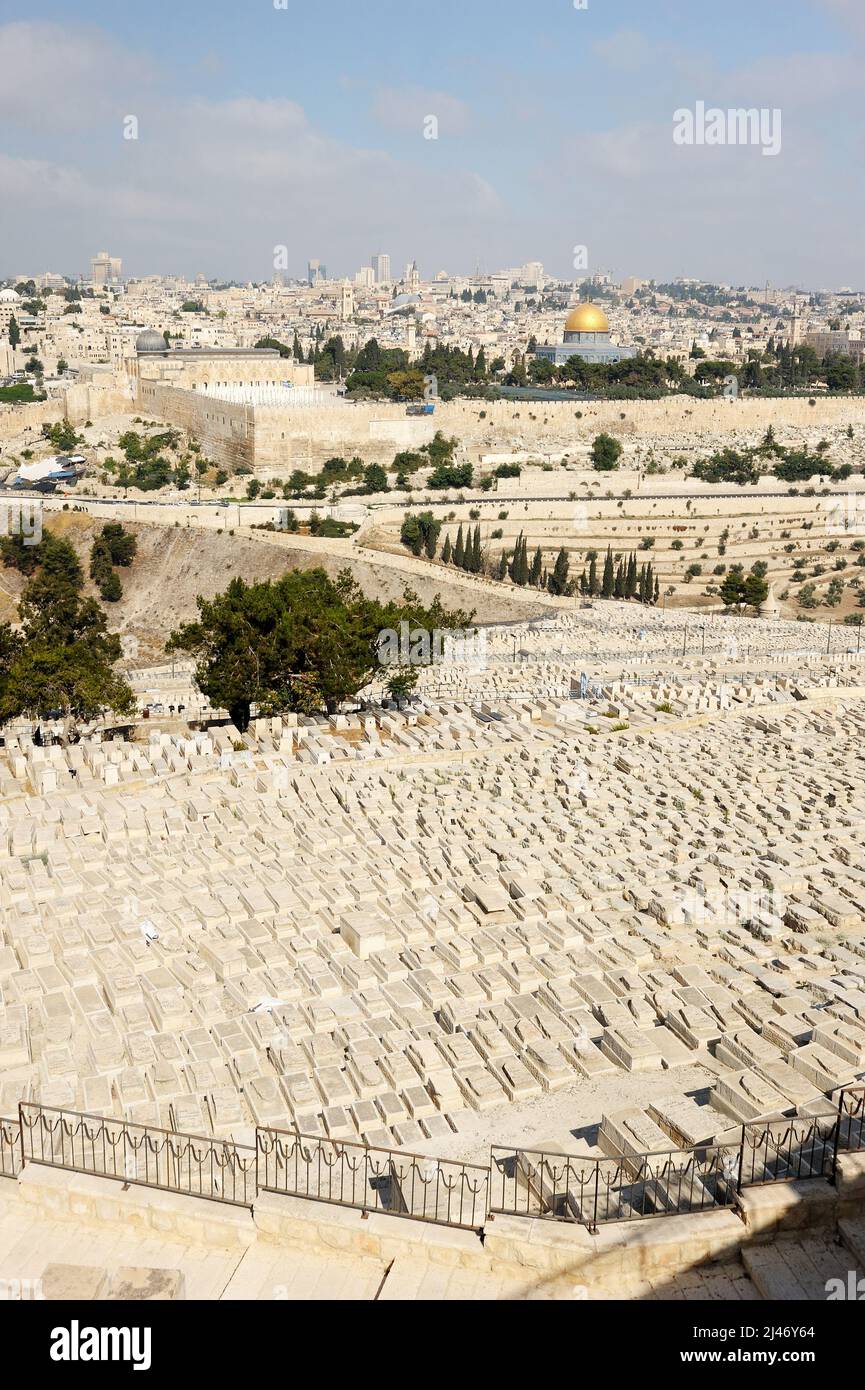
(797, 1271)
(852, 1233)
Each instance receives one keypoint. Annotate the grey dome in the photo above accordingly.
(151, 341)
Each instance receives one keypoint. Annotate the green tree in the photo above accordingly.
(460, 549)
(558, 582)
(63, 657)
(254, 642)
(537, 568)
(609, 580)
(606, 452)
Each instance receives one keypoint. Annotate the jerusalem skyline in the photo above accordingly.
(247, 133)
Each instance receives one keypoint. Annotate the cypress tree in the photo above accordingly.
(515, 560)
(584, 583)
(558, 581)
(619, 585)
(503, 564)
(476, 551)
(657, 590)
(593, 578)
(609, 576)
(446, 551)
(459, 549)
(524, 562)
(631, 581)
(537, 568)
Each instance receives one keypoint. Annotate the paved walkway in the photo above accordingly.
(30, 1241)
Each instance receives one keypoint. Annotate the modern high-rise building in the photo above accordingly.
(105, 269)
(365, 277)
(381, 268)
(316, 272)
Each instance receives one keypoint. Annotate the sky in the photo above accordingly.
(275, 123)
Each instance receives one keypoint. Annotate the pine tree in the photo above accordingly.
(609, 576)
(460, 549)
(537, 568)
(446, 551)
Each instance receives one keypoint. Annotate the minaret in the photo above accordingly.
(795, 337)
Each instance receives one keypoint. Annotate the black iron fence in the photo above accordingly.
(354, 1175)
(806, 1146)
(519, 1182)
(130, 1153)
(10, 1148)
(591, 1191)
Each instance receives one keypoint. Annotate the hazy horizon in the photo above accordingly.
(277, 127)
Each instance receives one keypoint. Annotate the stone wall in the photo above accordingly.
(275, 441)
(224, 430)
(78, 404)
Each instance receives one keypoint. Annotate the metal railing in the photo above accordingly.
(592, 1191)
(11, 1162)
(808, 1146)
(186, 1163)
(589, 1191)
(788, 1150)
(380, 1180)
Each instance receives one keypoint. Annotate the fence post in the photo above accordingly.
(837, 1137)
(257, 1189)
(597, 1184)
(21, 1130)
(741, 1162)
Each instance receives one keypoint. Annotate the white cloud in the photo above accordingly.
(627, 50)
(405, 109)
(66, 77)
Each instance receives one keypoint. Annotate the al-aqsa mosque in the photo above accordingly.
(587, 335)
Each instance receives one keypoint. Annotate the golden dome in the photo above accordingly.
(587, 318)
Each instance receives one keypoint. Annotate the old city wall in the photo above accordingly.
(77, 404)
(275, 441)
(539, 420)
(224, 431)
(307, 438)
